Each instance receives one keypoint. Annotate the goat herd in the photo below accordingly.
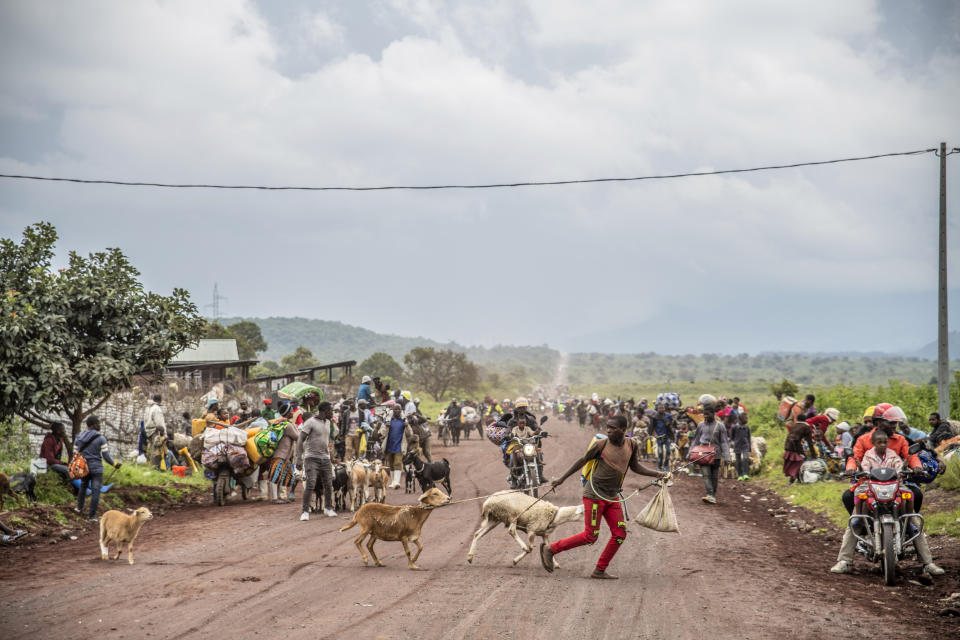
(355, 479)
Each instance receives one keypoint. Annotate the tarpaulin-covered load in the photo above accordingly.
(669, 400)
(234, 455)
(296, 390)
(214, 456)
(237, 457)
(230, 435)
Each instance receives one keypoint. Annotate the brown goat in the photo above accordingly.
(116, 526)
(392, 523)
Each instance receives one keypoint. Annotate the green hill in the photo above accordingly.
(335, 341)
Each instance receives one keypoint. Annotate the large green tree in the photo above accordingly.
(381, 364)
(71, 338)
(437, 371)
(299, 359)
(250, 340)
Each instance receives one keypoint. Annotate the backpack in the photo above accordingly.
(267, 440)
(78, 467)
(587, 470)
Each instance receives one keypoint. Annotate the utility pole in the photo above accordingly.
(943, 351)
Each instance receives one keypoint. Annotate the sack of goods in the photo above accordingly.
(812, 471)
(214, 457)
(237, 458)
(469, 415)
(658, 514)
(783, 411)
(497, 433)
(230, 435)
(669, 400)
(267, 440)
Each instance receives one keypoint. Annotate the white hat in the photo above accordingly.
(832, 413)
(843, 426)
(366, 379)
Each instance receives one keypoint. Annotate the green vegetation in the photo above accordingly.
(947, 522)
(950, 479)
(70, 338)
(247, 334)
(806, 370)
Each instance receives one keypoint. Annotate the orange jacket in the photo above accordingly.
(897, 443)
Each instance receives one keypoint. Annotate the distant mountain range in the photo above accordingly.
(930, 351)
(331, 341)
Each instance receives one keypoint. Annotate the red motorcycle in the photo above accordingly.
(883, 531)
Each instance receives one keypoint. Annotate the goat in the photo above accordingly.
(409, 478)
(116, 526)
(340, 483)
(392, 523)
(356, 484)
(429, 473)
(378, 478)
(758, 451)
(514, 511)
(6, 490)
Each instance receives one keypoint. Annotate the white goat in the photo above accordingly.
(513, 511)
(118, 527)
(356, 484)
(378, 478)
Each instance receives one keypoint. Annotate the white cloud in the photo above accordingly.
(503, 91)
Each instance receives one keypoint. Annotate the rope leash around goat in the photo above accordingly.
(453, 502)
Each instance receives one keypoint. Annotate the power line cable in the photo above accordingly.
(501, 185)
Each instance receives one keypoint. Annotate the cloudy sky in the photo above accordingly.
(423, 92)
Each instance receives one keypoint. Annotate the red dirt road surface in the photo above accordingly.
(253, 570)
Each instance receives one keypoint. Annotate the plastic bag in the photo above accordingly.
(658, 514)
(141, 459)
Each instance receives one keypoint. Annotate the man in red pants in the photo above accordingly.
(612, 456)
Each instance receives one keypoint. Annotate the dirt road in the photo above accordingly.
(249, 568)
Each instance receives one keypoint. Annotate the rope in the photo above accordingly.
(452, 502)
(552, 489)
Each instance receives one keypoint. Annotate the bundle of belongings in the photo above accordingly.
(225, 446)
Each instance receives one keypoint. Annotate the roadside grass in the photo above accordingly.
(155, 484)
(947, 522)
(824, 497)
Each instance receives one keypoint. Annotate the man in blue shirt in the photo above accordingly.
(364, 393)
(661, 428)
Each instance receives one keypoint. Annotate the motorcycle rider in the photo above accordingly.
(886, 418)
(939, 430)
(452, 415)
(523, 426)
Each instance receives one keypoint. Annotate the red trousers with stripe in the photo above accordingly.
(593, 512)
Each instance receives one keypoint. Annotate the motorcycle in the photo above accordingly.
(525, 463)
(443, 423)
(883, 532)
(225, 480)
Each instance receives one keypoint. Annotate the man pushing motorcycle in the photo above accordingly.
(610, 458)
(886, 418)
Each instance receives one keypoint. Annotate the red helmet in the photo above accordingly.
(895, 414)
(879, 410)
